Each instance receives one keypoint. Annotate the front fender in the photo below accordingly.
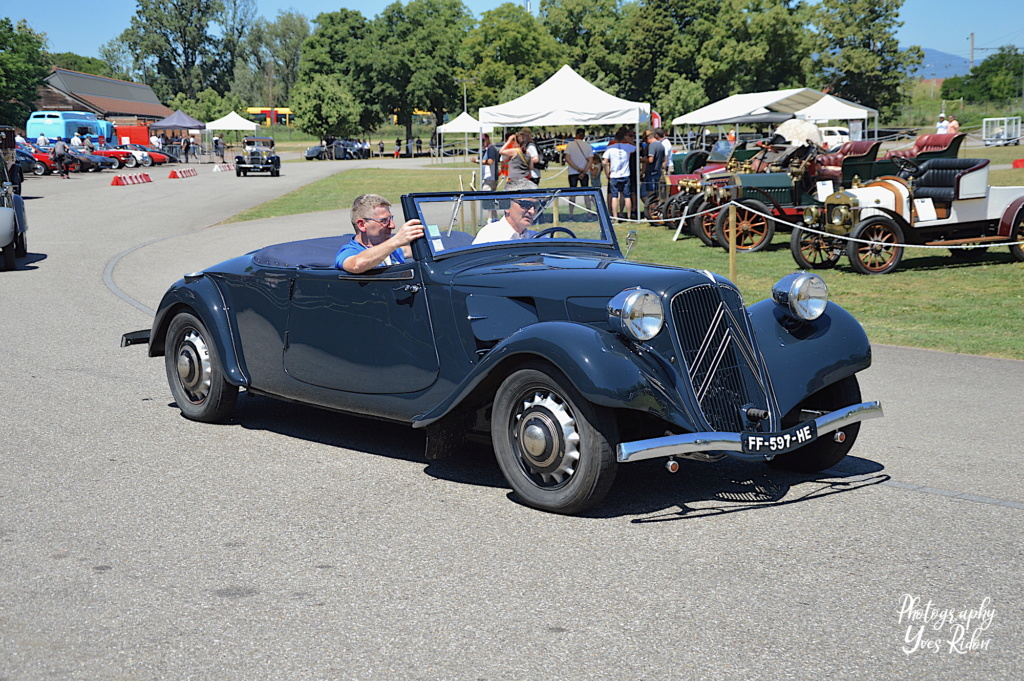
(202, 297)
(21, 219)
(804, 357)
(603, 367)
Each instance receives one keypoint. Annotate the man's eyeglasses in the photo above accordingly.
(529, 205)
(389, 220)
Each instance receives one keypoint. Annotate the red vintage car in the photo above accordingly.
(124, 157)
(43, 165)
(158, 156)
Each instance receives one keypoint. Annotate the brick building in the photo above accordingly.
(117, 101)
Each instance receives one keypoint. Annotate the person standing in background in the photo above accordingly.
(942, 126)
(953, 127)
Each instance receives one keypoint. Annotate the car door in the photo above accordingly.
(362, 333)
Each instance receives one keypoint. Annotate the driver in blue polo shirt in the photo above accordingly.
(374, 245)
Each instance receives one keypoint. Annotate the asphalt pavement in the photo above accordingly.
(294, 543)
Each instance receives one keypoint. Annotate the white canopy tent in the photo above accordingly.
(567, 98)
(232, 122)
(802, 102)
(465, 124)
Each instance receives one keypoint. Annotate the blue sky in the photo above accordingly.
(943, 25)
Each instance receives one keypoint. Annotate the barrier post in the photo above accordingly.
(732, 242)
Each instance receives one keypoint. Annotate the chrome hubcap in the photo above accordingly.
(193, 365)
(547, 438)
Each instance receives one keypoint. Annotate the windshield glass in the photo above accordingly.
(721, 151)
(457, 222)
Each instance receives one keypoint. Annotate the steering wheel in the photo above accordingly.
(550, 231)
(907, 165)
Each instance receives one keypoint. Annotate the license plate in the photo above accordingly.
(779, 443)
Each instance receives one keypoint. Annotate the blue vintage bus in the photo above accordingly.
(65, 124)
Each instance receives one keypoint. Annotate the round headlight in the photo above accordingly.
(636, 313)
(709, 192)
(804, 295)
(723, 195)
(839, 215)
(811, 215)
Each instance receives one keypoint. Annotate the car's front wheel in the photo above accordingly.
(813, 251)
(131, 162)
(554, 448)
(702, 224)
(754, 229)
(147, 161)
(830, 448)
(884, 251)
(195, 372)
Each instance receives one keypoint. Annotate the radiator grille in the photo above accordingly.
(714, 334)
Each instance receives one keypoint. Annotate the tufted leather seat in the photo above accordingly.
(931, 146)
(940, 179)
(830, 166)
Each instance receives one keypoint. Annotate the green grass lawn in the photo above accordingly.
(930, 301)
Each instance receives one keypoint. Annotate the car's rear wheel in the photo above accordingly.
(195, 372)
(754, 231)
(885, 250)
(20, 245)
(1017, 250)
(554, 448)
(813, 251)
(131, 162)
(8, 257)
(703, 226)
(39, 168)
(830, 448)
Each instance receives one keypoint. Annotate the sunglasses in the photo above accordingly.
(528, 205)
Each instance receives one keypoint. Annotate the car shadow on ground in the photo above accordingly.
(28, 262)
(645, 488)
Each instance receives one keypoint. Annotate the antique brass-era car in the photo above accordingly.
(573, 359)
(937, 202)
(258, 157)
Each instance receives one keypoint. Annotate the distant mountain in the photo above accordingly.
(942, 65)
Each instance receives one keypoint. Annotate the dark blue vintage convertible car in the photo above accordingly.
(574, 359)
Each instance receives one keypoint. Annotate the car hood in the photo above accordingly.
(563, 276)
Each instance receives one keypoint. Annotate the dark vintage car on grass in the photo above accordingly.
(572, 359)
(258, 157)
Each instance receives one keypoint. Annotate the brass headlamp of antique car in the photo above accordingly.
(636, 313)
(812, 214)
(803, 294)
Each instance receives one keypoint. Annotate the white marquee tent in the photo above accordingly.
(465, 124)
(566, 98)
(804, 103)
(232, 122)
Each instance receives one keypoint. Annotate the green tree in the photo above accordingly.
(268, 63)
(413, 58)
(324, 105)
(332, 49)
(76, 62)
(22, 69)
(997, 79)
(209, 105)
(858, 57)
(171, 45)
(593, 34)
(508, 54)
(236, 20)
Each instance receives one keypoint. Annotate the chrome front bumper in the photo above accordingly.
(731, 443)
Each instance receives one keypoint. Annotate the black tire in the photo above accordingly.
(8, 257)
(20, 245)
(39, 169)
(195, 372)
(568, 465)
(238, 172)
(881, 256)
(824, 452)
(117, 163)
(703, 226)
(754, 232)
(131, 162)
(813, 251)
(1017, 234)
(654, 211)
